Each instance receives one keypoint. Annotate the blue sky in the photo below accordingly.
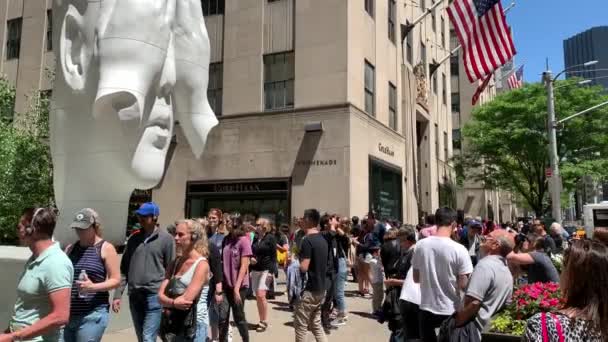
(540, 27)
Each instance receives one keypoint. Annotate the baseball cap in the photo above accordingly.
(474, 224)
(85, 218)
(148, 209)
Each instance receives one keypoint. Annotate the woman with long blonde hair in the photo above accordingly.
(180, 292)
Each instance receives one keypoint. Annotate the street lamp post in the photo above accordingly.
(555, 181)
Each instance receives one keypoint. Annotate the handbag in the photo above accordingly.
(177, 323)
(351, 257)
(545, 330)
(281, 258)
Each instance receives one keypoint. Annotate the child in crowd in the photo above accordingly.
(377, 273)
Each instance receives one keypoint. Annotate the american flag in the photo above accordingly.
(482, 86)
(484, 35)
(516, 80)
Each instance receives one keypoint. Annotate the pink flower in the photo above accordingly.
(553, 302)
(544, 303)
(534, 294)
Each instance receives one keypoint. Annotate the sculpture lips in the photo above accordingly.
(161, 138)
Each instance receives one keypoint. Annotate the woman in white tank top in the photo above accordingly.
(189, 270)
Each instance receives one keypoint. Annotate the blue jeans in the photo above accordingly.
(201, 332)
(202, 316)
(87, 328)
(146, 313)
(340, 284)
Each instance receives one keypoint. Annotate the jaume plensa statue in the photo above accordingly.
(126, 72)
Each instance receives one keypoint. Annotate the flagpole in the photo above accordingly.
(510, 72)
(405, 29)
(510, 7)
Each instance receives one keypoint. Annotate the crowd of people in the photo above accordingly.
(438, 281)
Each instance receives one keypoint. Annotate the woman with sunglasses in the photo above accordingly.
(43, 292)
(181, 291)
(96, 271)
(262, 268)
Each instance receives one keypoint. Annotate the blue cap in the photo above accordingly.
(474, 223)
(148, 209)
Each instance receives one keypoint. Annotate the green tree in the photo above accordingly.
(25, 163)
(506, 145)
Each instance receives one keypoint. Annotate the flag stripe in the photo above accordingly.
(505, 27)
(462, 30)
(498, 52)
(483, 67)
(500, 35)
(487, 42)
(485, 37)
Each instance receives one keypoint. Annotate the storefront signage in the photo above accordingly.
(330, 162)
(386, 150)
(237, 187)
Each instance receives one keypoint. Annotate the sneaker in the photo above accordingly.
(262, 326)
(342, 316)
(338, 322)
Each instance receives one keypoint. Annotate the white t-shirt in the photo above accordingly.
(410, 292)
(376, 270)
(440, 260)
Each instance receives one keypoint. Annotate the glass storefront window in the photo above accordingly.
(385, 196)
(263, 199)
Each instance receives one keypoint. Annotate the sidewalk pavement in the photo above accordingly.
(361, 327)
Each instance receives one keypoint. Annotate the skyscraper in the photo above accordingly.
(588, 46)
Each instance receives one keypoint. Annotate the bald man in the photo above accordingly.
(491, 283)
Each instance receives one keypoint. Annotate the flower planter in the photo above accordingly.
(496, 337)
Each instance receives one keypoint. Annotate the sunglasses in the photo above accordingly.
(485, 238)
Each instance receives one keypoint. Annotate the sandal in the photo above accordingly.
(262, 326)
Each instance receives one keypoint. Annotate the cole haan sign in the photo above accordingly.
(386, 150)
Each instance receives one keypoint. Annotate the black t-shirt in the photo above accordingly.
(314, 247)
(265, 253)
(343, 245)
(281, 239)
(215, 264)
(390, 254)
(332, 255)
(549, 244)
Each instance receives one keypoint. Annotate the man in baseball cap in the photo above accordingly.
(148, 209)
(143, 266)
(472, 241)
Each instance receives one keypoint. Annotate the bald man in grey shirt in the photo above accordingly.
(491, 284)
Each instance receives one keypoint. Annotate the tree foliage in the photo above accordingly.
(25, 163)
(506, 144)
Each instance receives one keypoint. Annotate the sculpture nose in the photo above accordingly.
(128, 77)
(123, 103)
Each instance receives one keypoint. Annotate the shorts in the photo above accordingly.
(259, 280)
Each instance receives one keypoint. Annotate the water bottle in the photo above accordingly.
(82, 277)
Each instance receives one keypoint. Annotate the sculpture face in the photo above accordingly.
(126, 71)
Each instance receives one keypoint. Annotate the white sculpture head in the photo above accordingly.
(126, 71)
